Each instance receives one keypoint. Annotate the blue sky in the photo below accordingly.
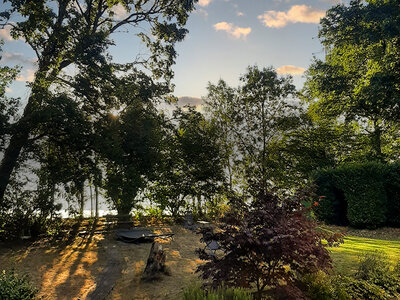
(225, 36)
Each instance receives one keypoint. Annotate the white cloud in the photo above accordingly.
(30, 76)
(296, 14)
(5, 33)
(232, 30)
(8, 90)
(204, 2)
(290, 69)
(120, 12)
(240, 14)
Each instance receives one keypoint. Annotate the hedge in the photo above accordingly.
(364, 195)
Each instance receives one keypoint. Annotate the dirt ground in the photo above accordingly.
(97, 266)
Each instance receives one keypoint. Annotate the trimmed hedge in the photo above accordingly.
(364, 195)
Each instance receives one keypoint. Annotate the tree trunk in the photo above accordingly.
(377, 140)
(22, 130)
(96, 191)
(91, 201)
(82, 200)
(11, 155)
(155, 263)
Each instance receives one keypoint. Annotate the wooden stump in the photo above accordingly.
(155, 263)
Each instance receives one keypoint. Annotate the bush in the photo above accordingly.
(332, 207)
(374, 279)
(15, 287)
(265, 245)
(365, 195)
(358, 289)
(392, 182)
(374, 267)
(320, 286)
(197, 293)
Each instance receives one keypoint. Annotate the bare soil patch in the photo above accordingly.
(97, 266)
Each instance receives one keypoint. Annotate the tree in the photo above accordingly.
(220, 109)
(255, 116)
(359, 79)
(265, 244)
(8, 106)
(131, 152)
(191, 164)
(77, 33)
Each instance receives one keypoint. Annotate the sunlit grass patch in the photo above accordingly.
(346, 257)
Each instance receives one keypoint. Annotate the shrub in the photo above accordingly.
(332, 207)
(197, 293)
(392, 185)
(15, 287)
(268, 243)
(373, 280)
(363, 195)
(375, 268)
(372, 264)
(358, 289)
(320, 286)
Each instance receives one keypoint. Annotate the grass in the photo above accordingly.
(346, 257)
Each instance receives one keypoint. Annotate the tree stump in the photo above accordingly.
(155, 263)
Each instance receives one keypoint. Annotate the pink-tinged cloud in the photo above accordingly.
(30, 76)
(204, 2)
(234, 31)
(296, 14)
(5, 34)
(290, 69)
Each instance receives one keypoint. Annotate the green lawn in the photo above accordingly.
(346, 256)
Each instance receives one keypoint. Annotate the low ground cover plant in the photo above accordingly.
(195, 292)
(15, 287)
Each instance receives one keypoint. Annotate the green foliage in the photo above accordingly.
(130, 149)
(374, 268)
(363, 194)
(358, 80)
(190, 167)
(63, 34)
(320, 286)
(8, 106)
(15, 287)
(392, 185)
(27, 213)
(253, 118)
(195, 292)
(358, 289)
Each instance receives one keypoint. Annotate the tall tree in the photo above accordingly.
(219, 108)
(191, 165)
(8, 106)
(131, 150)
(359, 80)
(255, 116)
(78, 32)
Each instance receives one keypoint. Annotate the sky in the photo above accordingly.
(225, 37)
